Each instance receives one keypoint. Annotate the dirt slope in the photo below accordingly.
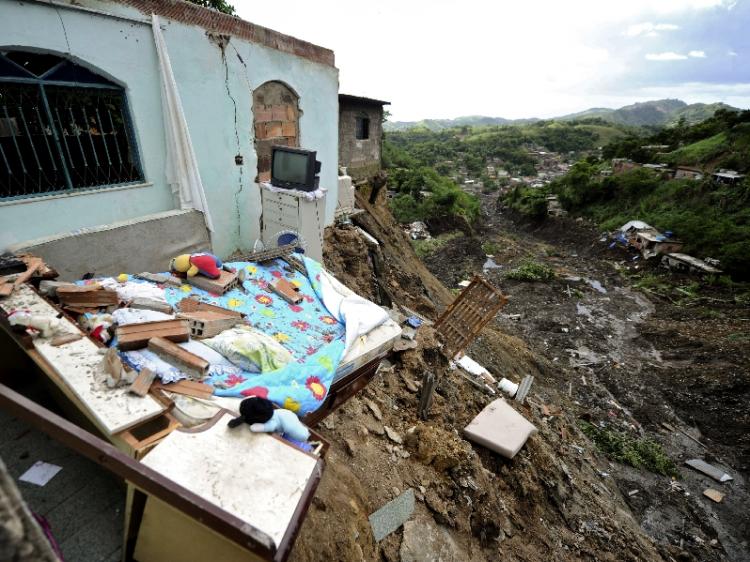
(550, 501)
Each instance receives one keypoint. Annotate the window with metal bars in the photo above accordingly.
(62, 128)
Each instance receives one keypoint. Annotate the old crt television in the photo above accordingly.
(294, 168)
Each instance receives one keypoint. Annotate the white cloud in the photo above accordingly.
(731, 53)
(649, 29)
(697, 54)
(667, 56)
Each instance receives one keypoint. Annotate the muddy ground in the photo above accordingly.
(600, 356)
(633, 359)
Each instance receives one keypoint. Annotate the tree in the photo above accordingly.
(219, 5)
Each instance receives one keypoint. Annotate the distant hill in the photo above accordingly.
(441, 124)
(656, 113)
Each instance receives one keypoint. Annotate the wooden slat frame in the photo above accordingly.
(468, 314)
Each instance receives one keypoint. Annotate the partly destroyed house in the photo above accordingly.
(134, 131)
(117, 126)
(360, 135)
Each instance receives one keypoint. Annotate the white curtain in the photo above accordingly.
(182, 167)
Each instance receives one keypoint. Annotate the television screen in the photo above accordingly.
(290, 167)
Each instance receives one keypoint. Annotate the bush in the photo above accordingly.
(490, 248)
(531, 271)
(639, 453)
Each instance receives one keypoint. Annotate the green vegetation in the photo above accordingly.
(424, 194)
(424, 248)
(639, 453)
(490, 248)
(219, 5)
(531, 271)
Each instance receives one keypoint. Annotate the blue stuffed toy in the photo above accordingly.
(264, 418)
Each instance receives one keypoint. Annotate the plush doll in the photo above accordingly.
(264, 418)
(193, 264)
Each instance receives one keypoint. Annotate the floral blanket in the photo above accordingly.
(314, 337)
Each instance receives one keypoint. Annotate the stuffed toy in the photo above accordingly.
(193, 264)
(264, 418)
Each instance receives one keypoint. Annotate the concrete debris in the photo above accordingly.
(714, 495)
(392, 515)
(500, 428)
(418, 231)
(392, 435)
(403, 345)
(425, 540)
(374, 409)
(709, 470)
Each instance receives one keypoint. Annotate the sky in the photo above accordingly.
(524, 58)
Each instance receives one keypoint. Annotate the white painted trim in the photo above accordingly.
(93, 11)
(77, 193)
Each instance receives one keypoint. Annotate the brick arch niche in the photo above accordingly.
(276, 122)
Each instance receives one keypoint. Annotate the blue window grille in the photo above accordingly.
(62, 128)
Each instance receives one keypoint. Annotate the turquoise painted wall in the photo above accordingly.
(124, 51)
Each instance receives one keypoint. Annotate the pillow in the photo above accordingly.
(250, 349)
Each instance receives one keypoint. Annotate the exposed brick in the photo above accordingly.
(260, 131)
(192, 14)
(273, 129)
(288, 129)
(291, 113)
(279, 112)
(263, 115)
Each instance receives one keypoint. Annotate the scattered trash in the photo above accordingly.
(632, 493)
(414, 322)
(474, 368)
(500, 428)
(428, 389)
(408, 333)
(40, 473)
(392, 515)
(465, 283)
(490, 264)
(516, 391)
(714, 495)
(551, 410)
(709, 470)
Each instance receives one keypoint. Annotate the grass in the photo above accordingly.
(531, 271)
(700, 151)
(425, 248)
(638, 453)
(490, 248)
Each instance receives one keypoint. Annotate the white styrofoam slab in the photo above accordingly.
(79, 365)
(253, 476)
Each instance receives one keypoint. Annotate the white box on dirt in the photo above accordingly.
(500, 428)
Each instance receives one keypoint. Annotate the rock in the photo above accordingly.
(328, 423)
(374, 409)
(374, 427)
(349, 446)
(425, 540)
(392, 435)
(410, 385)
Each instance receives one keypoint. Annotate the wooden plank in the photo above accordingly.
(194, 305)
(67, 338)
(186, 387)
(78, 368)
(149, 480)
(136, 336)
(142, 382)
(87, 296)
(192, 364)
(225, 282)
(201, 462)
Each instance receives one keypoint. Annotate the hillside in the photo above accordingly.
(656, 113)
(712, 219)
